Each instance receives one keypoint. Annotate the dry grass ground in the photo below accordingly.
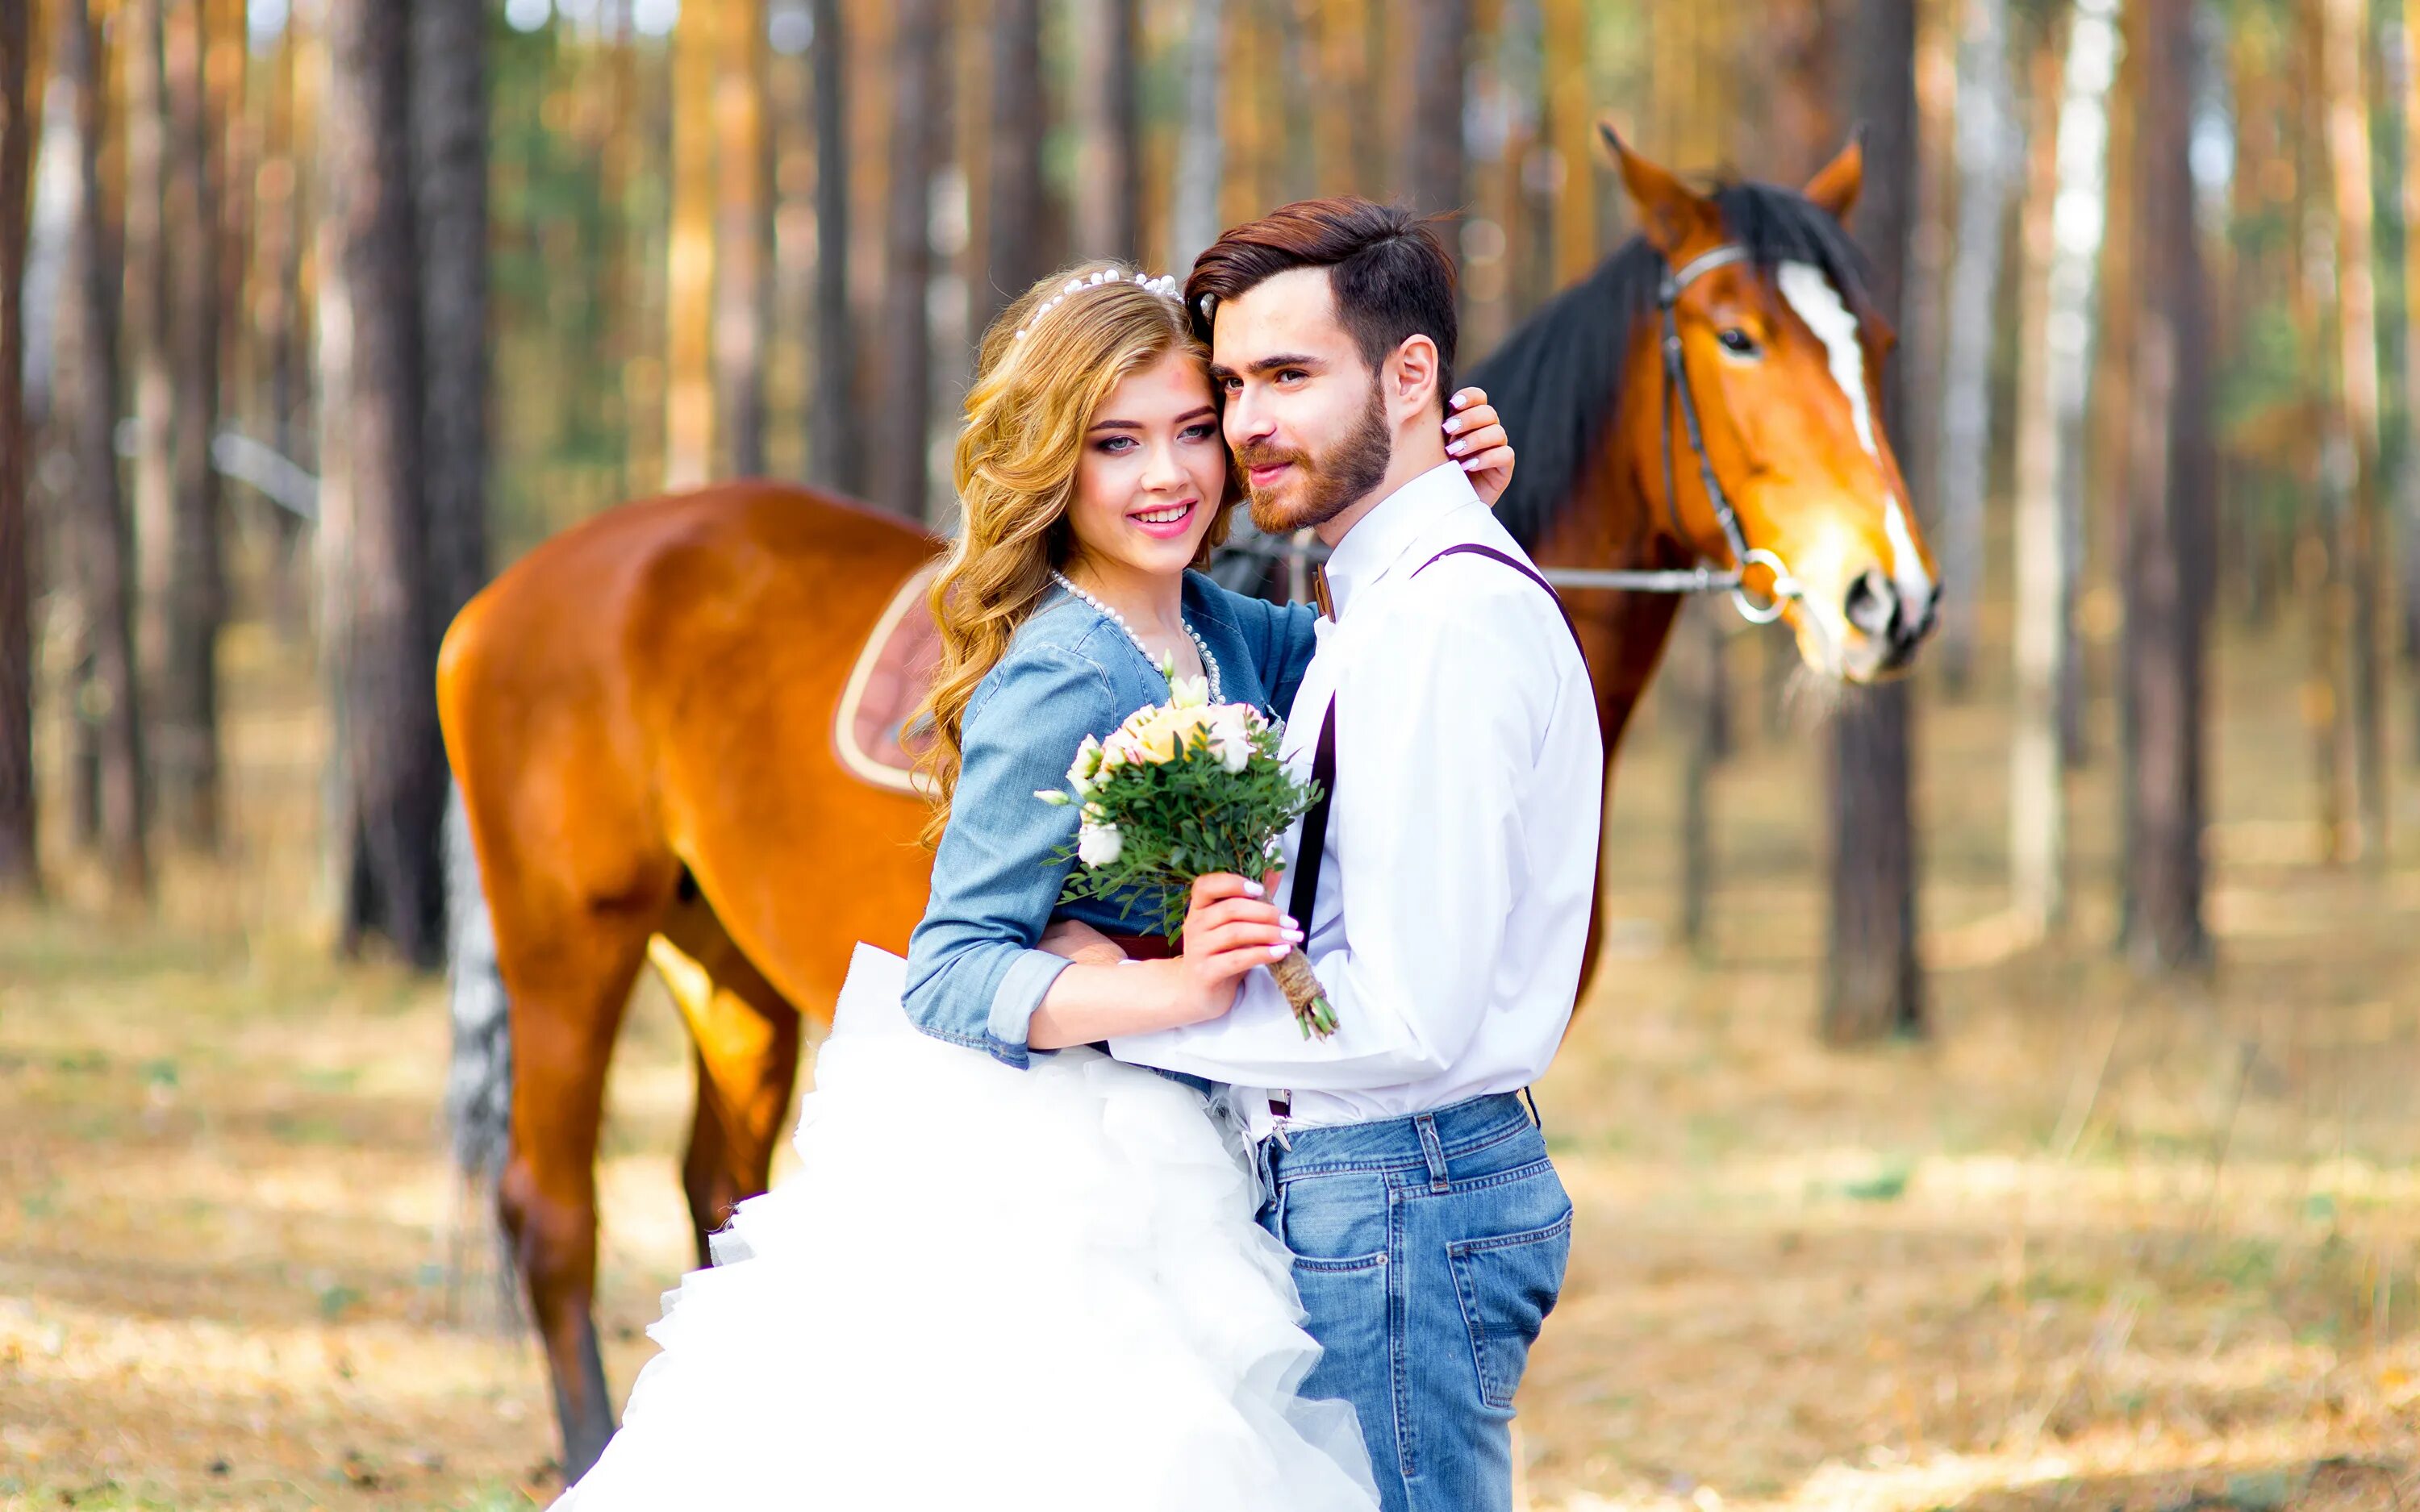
(2092, 1246)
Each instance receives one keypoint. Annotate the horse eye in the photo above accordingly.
(1737, 342)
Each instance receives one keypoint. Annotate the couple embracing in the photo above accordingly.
(1082, 1219)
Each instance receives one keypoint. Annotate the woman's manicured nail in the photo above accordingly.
(1456, 448)
(1287, 921)
(1253, 889)
(1278, 952)
(1295, 935)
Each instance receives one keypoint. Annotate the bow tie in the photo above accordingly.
(1319, 592)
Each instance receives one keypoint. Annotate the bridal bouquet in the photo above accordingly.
(1180, 791)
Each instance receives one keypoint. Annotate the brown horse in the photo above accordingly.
(641, 713)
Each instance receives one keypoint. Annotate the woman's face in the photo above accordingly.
(1153, 472)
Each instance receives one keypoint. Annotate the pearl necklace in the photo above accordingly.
(1209, 662)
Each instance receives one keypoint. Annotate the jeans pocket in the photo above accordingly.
(1508, 1284)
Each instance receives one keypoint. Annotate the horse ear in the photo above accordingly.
(1670, 212)
(1834, 188)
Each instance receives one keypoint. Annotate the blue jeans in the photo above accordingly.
(1428, 1250)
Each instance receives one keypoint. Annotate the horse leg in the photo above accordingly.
(747, 1036)
(569, 989)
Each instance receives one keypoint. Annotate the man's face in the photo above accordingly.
(1304, 414)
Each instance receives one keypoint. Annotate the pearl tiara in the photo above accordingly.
(1164, 285)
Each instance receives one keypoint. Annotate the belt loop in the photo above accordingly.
(1433, 1150)
(1532, 1097)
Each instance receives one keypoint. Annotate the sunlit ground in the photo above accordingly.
(2095, 1245)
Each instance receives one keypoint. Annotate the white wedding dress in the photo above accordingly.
(986, 1289)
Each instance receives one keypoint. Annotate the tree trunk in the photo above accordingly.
(1434, 169)
(184, 737)
(391, 762)
(2364, 546)
(2407, 96)
(2161, 650)
(899, 473)
(19, 872)
(1015, 250)
(100, 550)
(689, 277)
(2037, 785)
(832, 445)
(741, 234)
(449, 145)
(1985, 130)
(1872, 985)
(144, 328)
(1200, 149)
(2089, 78)
(1109, 163)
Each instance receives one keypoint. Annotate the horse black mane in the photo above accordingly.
(1557, 379)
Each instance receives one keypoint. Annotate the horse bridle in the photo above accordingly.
(1678, 390)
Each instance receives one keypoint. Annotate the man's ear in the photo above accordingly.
(1410, 376)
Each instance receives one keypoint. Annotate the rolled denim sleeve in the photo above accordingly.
(974, 976)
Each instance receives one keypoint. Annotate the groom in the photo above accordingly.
(1446, 883)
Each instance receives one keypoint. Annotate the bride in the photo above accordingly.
(1009, 1272)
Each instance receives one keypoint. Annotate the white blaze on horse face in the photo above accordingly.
(1818, 304)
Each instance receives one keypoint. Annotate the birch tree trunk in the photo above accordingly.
(1873, 986)
(900, 426)
(2356, 301)
(2160, 652)
(2080, 221)
(184, 704)
(1985, 126)
(102, 553)
(20, 872)
(2037, 777)
(1109, 166)
(144, 328)
(1200, 149)
(833, 443)
(1015, 255)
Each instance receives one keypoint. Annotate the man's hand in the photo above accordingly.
(1080, 942)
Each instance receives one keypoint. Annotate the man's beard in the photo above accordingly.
(1330, 483)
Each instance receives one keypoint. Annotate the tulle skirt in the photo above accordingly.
(986, 1289)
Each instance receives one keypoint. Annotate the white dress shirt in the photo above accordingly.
(1460, 857)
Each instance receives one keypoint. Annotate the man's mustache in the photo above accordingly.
(1263, 455)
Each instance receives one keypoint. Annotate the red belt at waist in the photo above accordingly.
(1147, 946)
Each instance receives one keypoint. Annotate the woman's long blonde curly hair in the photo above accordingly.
(1034, 399)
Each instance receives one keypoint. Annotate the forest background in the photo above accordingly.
(2021, 1119)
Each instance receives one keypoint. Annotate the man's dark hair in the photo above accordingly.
(1389, 274)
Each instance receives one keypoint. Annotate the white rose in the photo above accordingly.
(1230, 737)
(1098, 844)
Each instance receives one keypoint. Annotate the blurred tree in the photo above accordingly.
(1109, 163)
(899, 425)
(184, 737)
(378, 600)
(1872, 983)
(107, 699)
(2161, 651)
(282, 226)
(1200, 146)
(20, 873)
(2405, 92)
(1435, 165)
(2037, 785)
(144, 321)
(449, 167)
(1015, 251)
(689, 294)
(742, 236)
(1985, 135)
(2356, 308)
(832, 448)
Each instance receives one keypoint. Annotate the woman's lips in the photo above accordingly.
(1164, 524)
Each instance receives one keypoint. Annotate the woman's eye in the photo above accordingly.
(1737, 342)
(1116, 445)
(1201, 432)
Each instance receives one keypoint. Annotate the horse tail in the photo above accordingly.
(479, 1081)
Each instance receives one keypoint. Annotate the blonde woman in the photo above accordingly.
(1011, 1271)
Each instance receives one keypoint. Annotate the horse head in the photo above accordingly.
(1768, 367)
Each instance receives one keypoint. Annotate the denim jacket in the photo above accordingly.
(974, 974)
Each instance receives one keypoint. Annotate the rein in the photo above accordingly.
(1703, 579)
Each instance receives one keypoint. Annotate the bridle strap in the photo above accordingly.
(1678, 390)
